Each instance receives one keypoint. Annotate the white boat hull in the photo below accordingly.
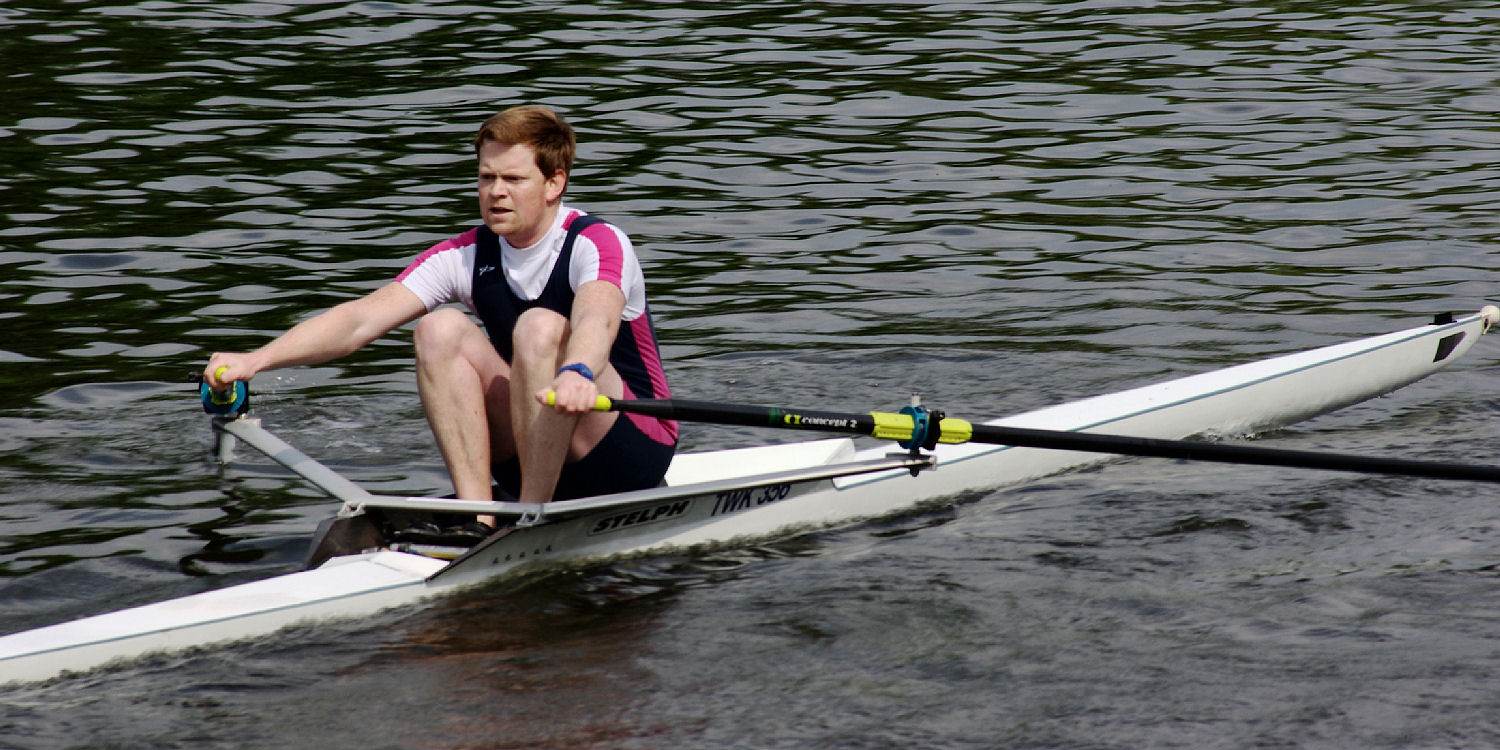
(364, 585)
(729, 497)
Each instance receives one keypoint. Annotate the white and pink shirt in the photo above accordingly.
(473, 263)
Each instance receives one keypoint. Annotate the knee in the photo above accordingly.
(440, 333)
(539, 333)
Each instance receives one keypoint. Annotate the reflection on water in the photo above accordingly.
(998, 205)
(1060, 158)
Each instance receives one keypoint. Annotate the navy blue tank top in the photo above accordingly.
(499, 308)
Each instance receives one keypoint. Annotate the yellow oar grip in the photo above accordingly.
(899, 427)
(601, 403)
(222, 397)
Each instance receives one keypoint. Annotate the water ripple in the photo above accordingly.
(999, 205)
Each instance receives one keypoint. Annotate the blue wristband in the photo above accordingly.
(580, 368)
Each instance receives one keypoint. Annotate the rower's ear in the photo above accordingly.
(556, 185)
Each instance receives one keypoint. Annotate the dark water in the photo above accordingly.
(1000, 205)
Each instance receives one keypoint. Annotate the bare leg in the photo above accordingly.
(544, 438)
(465, 391)
(542, 435)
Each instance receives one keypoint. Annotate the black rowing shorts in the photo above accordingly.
(626, 459)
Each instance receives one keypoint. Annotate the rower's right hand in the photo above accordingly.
(570, 393)
(224, 368)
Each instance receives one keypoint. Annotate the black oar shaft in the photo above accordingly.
(745, 415)
(1188, 450)
(1192, 450)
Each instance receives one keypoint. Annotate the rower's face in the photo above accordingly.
(516, 200)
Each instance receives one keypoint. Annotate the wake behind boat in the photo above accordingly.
(365, 560)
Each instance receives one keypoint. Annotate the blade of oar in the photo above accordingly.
(901, 427)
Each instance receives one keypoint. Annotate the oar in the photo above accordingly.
(916, 427)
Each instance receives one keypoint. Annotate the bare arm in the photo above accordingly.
(595, 320)
(334, 333)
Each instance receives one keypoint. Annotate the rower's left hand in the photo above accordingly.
(575, 394)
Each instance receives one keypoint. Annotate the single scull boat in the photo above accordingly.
(358, 566)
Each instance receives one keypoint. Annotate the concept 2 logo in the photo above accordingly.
(815, 422)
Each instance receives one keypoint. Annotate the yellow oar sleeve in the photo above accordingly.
(892, 426)
(899, 427)
(955, 431)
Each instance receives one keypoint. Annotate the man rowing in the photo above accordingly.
(562, 298)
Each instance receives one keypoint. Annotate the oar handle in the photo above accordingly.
(602, 403)
(232, 400)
